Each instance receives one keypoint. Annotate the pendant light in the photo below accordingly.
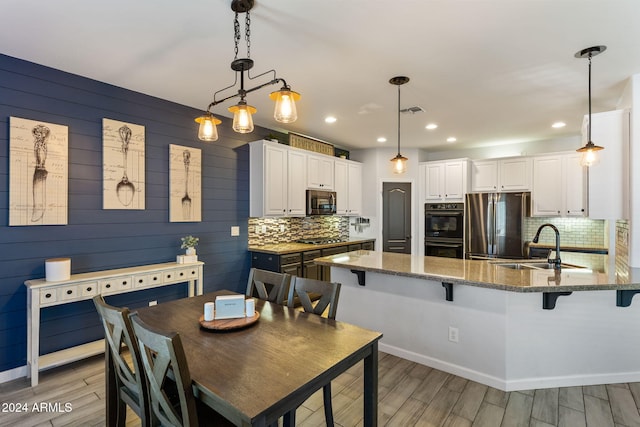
(285, 98)
(589, 156)
(399, 161)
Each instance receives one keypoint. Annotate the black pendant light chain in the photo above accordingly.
(247, 33)
(236, 36)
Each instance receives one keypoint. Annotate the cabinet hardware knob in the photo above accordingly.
(108, 285)
(69, 292)
(47, 295)
(89, 289)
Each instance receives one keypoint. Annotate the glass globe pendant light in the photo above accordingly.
(589, 156)
(399, 161)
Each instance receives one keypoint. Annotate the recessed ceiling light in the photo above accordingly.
(558, 125)
(451, 139)
(431, 126)
(382, 139)
(330, 119)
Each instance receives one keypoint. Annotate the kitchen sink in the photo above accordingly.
(537, 265)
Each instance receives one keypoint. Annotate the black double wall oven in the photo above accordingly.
(444, 227)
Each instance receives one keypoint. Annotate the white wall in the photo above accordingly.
(377, 168)
(631, 97)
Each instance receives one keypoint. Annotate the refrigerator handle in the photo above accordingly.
(492, 223)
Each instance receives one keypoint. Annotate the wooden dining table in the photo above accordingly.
(257, 374)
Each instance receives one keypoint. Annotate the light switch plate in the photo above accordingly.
(235, 230)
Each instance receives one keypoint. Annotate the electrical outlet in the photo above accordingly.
(282, 228)
(453, 334)
(264, 228)
(154, 302)
(235, 230)
(257, 229)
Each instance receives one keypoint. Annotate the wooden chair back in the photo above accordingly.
(268, 285)
(304, 288)
(162, 353)
(130, 383)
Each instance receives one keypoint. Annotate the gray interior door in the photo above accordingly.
(396, 213)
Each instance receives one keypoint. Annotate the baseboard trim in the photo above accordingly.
(511, 385)
(13, 374)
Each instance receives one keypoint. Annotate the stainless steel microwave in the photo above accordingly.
(321, 202)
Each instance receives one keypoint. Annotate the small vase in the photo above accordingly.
(190, 251)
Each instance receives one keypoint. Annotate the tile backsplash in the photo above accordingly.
(573, 231)
(266, 231)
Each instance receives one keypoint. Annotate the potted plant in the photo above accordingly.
(189, 243)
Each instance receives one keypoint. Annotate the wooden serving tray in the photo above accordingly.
(229, 324)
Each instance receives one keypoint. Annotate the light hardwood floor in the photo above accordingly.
(409, 395)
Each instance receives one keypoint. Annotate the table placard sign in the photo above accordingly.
(229, 306)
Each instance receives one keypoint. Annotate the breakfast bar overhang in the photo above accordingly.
(494, 329)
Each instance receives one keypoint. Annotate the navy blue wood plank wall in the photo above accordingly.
(97, 239)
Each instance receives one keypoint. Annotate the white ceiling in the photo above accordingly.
(486, 71)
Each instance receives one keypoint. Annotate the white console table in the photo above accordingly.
(79, 287)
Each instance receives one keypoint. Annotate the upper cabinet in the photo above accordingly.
(320, 171)
(348, 187)
(445, 180)
(609, 177)
(559, 186)
(280, 175)
(276, 180)
(509, 174)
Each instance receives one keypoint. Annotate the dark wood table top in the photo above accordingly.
(258, 373)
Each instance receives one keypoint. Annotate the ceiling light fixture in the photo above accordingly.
(330, 119)
(452, 139)
(558, 125)
(431, 126)
(399, 161)
(285, 110)
(589, 156)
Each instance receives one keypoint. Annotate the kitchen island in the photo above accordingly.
(483, 321)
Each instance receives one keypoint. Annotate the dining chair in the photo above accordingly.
(171, 398)
(329, 292)
(130, 384)
(268, 285)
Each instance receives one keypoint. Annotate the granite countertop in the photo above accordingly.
(597, 275)
(292, 247)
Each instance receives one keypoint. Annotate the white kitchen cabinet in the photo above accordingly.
(575, 186)
(320, 171)
(609, 177)
(509, 174)
(276, 180)
(558, 185)
(445, 180)
(296, 189)
(348, 187)
(547, 195)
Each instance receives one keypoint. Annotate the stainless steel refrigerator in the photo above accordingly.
(493, 224)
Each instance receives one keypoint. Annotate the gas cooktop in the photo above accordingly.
(320, 241)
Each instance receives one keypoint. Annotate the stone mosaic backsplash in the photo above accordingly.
(267, 231)
(622, 248)
(573, 231)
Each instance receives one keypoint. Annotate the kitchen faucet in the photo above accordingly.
(556, 261)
